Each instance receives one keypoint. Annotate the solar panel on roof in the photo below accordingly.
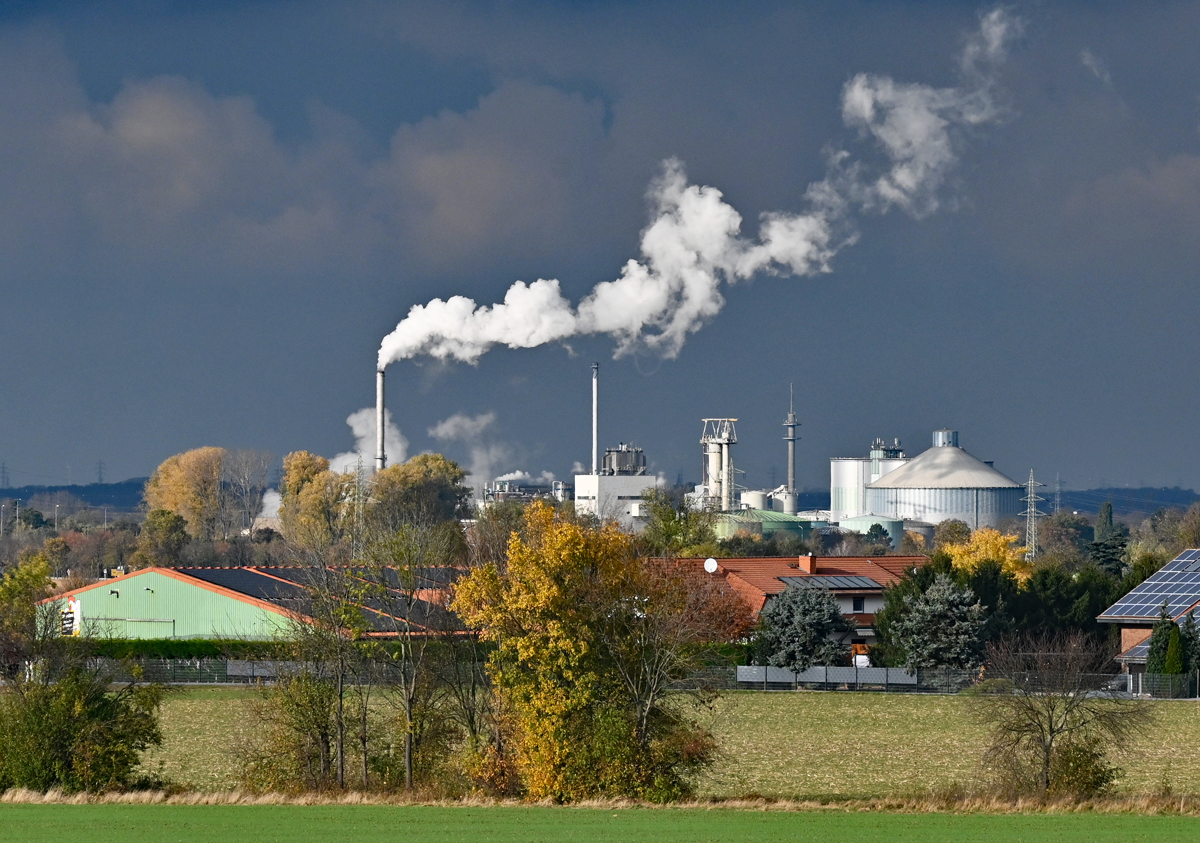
(831, 582)
(1177, 584)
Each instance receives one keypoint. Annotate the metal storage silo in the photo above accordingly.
(946, 482)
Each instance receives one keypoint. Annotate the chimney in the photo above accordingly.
(380, 455)
(595, 418)
(808, 564)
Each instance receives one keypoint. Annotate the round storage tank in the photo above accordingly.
(946, 482)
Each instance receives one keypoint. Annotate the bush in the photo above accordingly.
(76, 735)
(1079, 770)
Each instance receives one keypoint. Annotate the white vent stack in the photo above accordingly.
(380, 428)
(595, 418)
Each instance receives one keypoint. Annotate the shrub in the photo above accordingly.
(77, 735)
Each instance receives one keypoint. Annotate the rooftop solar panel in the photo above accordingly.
(831, 582)
(1177, 584)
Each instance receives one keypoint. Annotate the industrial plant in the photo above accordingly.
(887, 487)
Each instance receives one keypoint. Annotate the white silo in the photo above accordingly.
(849, 477)
(945, 482)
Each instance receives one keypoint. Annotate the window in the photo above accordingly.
(860, 605)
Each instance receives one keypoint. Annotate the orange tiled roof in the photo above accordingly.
(758, 577)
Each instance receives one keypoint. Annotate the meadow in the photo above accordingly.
(779, 745)
(418, 824)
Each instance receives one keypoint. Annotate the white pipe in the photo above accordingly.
(726, 479)
(380, 453)
(595, 418)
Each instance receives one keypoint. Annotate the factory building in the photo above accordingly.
(945, 482)
(849, 478)
(617, 492)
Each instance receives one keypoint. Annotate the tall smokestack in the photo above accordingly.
(789, 500)
(380, 453)
(595, 418)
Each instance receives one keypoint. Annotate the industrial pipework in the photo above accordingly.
(380, 454)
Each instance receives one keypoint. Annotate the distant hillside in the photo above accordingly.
(125, 496)
(1124, 500)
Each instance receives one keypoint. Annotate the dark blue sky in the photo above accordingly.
(210, 214)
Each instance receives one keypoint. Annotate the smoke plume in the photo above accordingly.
(362, 425)
(694, 244)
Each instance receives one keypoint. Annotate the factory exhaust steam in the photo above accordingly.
(694, 244)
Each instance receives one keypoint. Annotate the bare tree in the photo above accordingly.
(245, 476)
(401, 570)
(1054, 714)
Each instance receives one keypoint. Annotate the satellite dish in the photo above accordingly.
(710, 565)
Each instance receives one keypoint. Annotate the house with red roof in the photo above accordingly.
(857, 582)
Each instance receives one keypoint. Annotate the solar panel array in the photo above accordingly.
(831, 582)
(1177, 583)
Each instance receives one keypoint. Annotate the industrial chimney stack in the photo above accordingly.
(380, 455)
(790, 502)
(595, 418)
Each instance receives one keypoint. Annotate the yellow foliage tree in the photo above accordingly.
(988, 544)
(590, 639)
(189, 484)
(426, 489)
(544, 662)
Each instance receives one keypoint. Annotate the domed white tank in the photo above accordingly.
(945, 482)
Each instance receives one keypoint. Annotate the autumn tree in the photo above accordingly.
(988, 544)
(578, 625)
(161, 540)
(427, 489)
(189, 484)
(673, 528)
(21, 626)
(951, 531)
(314, 501)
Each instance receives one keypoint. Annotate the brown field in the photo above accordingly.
(783, 745)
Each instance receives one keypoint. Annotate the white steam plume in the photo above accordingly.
(694, 243)
(362, 424)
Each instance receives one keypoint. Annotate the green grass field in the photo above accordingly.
(784, 745)
(369, 823)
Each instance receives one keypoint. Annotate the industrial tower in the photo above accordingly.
(790, 423)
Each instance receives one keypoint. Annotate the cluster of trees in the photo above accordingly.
(63, 723)
(553, 677)
(592, 641)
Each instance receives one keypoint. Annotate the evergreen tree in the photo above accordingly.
(1173, 664)
(943, 628)
(1160, 640)
(1104, 523)
(797, 627)
(1191, 643)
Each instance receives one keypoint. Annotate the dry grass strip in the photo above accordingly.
(1187, 805)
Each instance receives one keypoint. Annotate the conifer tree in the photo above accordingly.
(1160, 640)
(1173, 664)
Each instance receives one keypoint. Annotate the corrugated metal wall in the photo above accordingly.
(977, 507)
(153, 605)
